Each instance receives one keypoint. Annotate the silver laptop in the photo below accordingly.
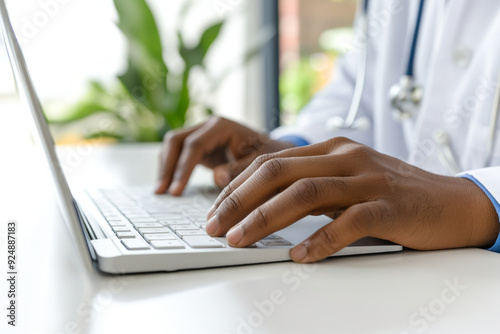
(131, 230)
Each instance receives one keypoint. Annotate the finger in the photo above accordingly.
(305, 151)
(307, 196)
(172, 147)
(224, 174)
(272, 177)
(208, 137)
(358, 221)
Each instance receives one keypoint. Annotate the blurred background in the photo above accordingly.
(130, 70)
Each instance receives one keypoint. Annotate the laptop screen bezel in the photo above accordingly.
(29, 97)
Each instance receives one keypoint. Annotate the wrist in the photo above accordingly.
(484, 219)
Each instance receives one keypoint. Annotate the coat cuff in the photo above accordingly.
(496, 204)
(295, 140)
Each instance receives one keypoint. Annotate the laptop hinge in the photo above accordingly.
(92, 229)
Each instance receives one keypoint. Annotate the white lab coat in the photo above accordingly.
(457, 62)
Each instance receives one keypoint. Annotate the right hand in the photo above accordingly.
(220, 144)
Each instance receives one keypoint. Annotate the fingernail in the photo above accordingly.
(174, 188)
(298, 253)
(211, 212)
(221, 177)
(212, 226)
(160, 188)
(235, 235)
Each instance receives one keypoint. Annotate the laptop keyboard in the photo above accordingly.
(144, 221)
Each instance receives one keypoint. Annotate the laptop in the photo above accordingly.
(131, 230)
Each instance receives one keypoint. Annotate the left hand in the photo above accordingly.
(369, 193)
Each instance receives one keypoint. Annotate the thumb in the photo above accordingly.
(224, 174)
(354, 224)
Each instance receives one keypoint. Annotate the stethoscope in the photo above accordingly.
(405, 97)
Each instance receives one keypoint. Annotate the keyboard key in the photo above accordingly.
(199, 220)
(184, 227)
(113, 217)
(141, 225)
(182, 221)
(155, 209)
(135, 214)
(272, 237)
(121, 229)
(153, 230)
(135, 244)
(125, 235)
(116, 219)
(184, 233)
(198, 216)
(202, 242)
(276, 242)
(162, 236)
(143, 220)
(134, 211)
(117, 223)
(167, 244)
(109, 211)
(166, 216)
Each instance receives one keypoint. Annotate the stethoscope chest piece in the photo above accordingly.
(405, 98)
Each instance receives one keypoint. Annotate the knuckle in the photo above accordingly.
(193, 143)
(360, 152)
(347, 147)
(217, 119)
(234, 168)
(262, 218)
(327, 242)
(307, 191)
(171, 136)
(273, 168)
(262, 159)
(227, 191)
(336, 183)
(336, 143)
(232, 204)
(364, 218)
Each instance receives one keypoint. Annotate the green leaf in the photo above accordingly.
(104, 134)
(96, 100)
(137, 22)
(80, 111)
(184, 101)
(208, 37)
(146, 75)
(147, 134)
(196, 55)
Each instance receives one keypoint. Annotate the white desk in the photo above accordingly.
(394, 293)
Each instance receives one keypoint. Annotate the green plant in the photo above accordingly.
(299, 81)
(148, 99)
(297, 86)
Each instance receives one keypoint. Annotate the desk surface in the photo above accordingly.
(454, 291)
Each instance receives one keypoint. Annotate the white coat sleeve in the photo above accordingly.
(488, 179)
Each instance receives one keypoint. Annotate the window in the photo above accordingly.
(68, 43)
(313, 34)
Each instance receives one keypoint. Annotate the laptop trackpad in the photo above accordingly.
(302, 229)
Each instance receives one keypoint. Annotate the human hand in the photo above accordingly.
(220, 144)
(369, 193)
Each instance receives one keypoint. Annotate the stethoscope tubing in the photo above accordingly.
(446, 156)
